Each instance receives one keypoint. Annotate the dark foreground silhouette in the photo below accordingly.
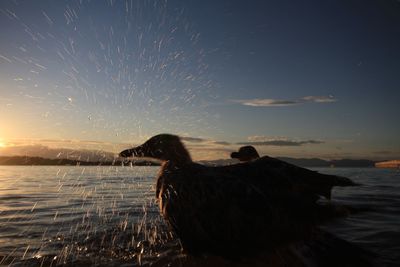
(261, 207)
(245, 153)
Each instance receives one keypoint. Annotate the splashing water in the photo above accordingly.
(133, 67)
(80, 215)
(84, 216)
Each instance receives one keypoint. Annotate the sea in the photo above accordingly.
(108, 216)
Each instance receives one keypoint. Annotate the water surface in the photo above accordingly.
(108, 215)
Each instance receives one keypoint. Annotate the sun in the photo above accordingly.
(2, 144)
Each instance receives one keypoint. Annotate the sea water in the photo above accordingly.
(108, 216)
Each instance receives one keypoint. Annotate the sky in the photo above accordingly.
(293, 78)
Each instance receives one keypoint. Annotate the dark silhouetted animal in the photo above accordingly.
(245, 153)
(236, 209)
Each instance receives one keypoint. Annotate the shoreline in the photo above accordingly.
(302, 162)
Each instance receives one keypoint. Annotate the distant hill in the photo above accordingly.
(303, 162)
(44, 155)
(218, 162)
(315, 162)
(57, 153)
(29, 161)
(352, 163)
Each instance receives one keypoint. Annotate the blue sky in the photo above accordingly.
(260, 71)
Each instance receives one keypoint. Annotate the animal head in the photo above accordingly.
(166, 147)
(246, 153)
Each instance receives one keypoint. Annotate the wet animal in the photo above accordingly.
(236, 209)
(245, 153)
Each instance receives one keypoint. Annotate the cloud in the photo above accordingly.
(203, 140)
(384, 152)
(50, 148)
(54, 153)
(193, 139)
(223, 143)
(269, 102)
(265, 141)
(58, 142)
(280, 143)
(266, 102)
(320, 99)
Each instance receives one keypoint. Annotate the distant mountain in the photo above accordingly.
(57, 153)
(304, 162)
(38, 161)
(352, 163)
(107, 161)
(315, 162)
(218, 162)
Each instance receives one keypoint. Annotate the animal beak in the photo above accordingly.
(136, 151)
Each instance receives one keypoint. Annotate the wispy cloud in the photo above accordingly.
(266, 102)
(199, 147)
(384, 152)
(203, 140)
(257, 140)
(266, 141)
(207, 148)
(281, 143)
(193, 139)
(223, 143)
(319, 99)
(53, 153)
(269, 102)
(25, 144)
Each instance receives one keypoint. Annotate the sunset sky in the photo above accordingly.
(294, 78)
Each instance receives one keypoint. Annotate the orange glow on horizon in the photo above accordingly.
(2, 143)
